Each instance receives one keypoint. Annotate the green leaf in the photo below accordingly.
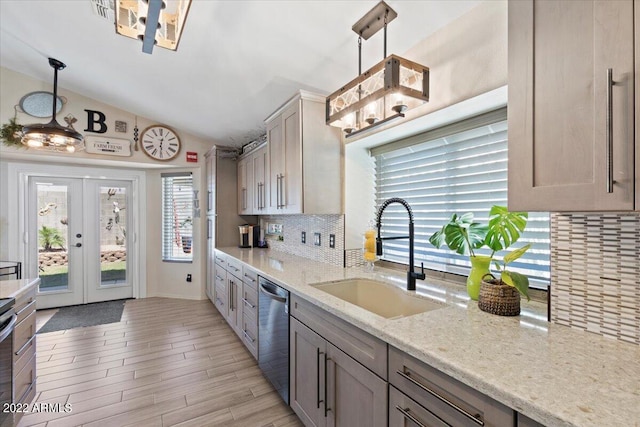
(497, 265)
(514, 255)
(437, 238)
(518, 281)
(463, 237)
(504, 227)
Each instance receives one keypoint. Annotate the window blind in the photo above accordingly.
(177, 220)
(455, 169)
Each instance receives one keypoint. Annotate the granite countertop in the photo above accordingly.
(553, 374)
(15, 288)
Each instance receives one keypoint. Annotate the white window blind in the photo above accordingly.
(455, 169)
(177, 217)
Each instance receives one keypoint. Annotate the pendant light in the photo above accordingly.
(385, 91)
(52, 136)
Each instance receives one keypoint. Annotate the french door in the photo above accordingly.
(80, 239)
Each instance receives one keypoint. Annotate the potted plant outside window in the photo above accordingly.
(463, 235)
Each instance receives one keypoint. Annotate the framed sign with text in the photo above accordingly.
(107, 146)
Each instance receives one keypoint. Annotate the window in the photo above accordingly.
(454, 169)
(177, 216)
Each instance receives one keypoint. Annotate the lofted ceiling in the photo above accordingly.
(236, 63)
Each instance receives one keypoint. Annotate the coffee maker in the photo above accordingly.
(249, 235)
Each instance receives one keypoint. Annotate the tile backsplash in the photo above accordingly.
(294, 225)
(595, 273)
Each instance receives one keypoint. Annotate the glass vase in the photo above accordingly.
(369, 249)
(479, 267)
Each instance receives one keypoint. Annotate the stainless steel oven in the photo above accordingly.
(7, 323)
(273, 333)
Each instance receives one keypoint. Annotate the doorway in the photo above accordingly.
(79, 228)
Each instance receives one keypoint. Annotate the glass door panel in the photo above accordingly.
(113, 235)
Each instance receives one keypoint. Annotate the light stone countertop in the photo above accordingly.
(553, 374)
(15, 288)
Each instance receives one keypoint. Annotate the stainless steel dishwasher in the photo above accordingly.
(273, 333)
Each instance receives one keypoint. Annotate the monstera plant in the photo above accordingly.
(463, 235)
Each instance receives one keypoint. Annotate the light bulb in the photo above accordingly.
(349, 120)
(58, 139)
(371, 109)
(71, 148)
(399, 100)
(34, 143)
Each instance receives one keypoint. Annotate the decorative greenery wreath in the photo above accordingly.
(11, 133)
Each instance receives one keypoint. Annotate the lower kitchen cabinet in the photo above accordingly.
(404, 411)
(453, 402)
(24, 351)
(329, 388)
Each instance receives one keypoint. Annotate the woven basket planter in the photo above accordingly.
(503, 300)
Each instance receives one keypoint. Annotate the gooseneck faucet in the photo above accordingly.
(411, 274)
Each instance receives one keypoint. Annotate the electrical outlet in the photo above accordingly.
(188, 278)
(316, 239)
(303, 237)
(332, 241)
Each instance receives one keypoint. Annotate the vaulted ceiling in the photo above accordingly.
(236, 63)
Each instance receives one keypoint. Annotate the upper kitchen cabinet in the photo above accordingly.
(571, 106)
(252, 176)
(305, 172)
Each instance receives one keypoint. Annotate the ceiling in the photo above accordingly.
(236, 63)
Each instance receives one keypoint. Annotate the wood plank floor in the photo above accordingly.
(168, 362)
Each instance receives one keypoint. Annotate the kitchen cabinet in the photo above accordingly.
(222, 218)
(249, 298)
(571, 123)
(306, 165)
(440, 395)
(234, 296)
(24, 350)
(337, 371)
(252, 177)
(329, 388)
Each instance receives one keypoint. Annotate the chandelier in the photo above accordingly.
(154, 22)
(52, 136)
(385, 91)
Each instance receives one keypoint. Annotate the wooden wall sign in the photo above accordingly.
(107, 146)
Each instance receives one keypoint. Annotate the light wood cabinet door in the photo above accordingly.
(571, 132)
(260, 161)
(291, 180)
(307, 364)
(356, 397)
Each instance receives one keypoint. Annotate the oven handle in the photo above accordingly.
(4, 333)
(272, 295)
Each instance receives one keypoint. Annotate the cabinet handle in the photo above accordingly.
(475, 418)
(609, 159)
(410, 416)
(318, 400)
(247, 336)
(248, 303)
(326, 403)
(231, 295)
(282, 200)
(208, 229)
(248, 277)
(209, 204)
(244, 198)
(220, 301)
(218, 277)
(25, 345)
(278, 192)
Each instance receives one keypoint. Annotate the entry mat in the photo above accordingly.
(79, 316)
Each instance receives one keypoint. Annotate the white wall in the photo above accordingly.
(467, 59)
(163, 279)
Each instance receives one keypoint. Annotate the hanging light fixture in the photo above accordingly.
(154, 22)
(385, 91)
(52, 136)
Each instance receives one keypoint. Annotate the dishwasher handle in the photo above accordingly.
(272, 295)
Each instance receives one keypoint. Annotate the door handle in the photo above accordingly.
(326, 403)
(405, 412)
(318, 400)
(609, 129)
(78, 245)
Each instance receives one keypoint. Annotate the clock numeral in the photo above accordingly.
(154, 132)
(172, 138)
(173, 150)
(148, 147)
(155, 150)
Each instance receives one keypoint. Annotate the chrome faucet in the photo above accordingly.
(411, 274)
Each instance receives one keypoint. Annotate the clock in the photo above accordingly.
(160, 142)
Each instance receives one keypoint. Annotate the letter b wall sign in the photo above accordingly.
(96, 122)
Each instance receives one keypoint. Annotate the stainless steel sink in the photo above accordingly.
(377, 297)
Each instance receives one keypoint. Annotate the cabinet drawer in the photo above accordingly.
(221, 259)
(404, 411)
(220, 299)
(250, 277)
(365, 348)
(24, 338)
(249, 301)
(448, 399)
(24, 380)
(250, 334)
(234, 267)
(25, 304)
(219, 276)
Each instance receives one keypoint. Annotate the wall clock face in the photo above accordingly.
(160, 142)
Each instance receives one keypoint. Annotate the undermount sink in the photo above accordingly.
(380, 298)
